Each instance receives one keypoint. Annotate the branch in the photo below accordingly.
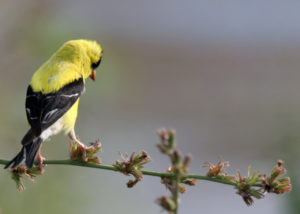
(254, 185)
(111, 168)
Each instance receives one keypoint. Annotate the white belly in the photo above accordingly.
(52, 130)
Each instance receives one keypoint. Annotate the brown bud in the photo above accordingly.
(167, 203)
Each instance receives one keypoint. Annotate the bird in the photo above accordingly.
(52, 98)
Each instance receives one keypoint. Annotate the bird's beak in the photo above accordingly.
(93, 75)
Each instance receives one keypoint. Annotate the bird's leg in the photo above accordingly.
(40, 159)
(83, 150)
(72, 138)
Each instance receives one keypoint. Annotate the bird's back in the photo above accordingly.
(53, 75)
(63, 67)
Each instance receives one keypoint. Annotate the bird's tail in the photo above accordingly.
(26, 155)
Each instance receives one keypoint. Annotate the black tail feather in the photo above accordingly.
(26, 155)
(16, 160)
(31, 151)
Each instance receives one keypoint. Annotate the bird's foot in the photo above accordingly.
(81, 152)
(83, 149)
(40, 160)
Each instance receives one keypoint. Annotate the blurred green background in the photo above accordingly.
(225, 75)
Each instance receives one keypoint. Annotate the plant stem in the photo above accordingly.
(145, 172)
(175, 193)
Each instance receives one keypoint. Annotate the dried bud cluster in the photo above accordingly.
(217, 169)
(275, 184)
(18, 172)
(167, 203)
(254, 184)
(245, 186)
(132, 166)
(91, 150)
(180, 166)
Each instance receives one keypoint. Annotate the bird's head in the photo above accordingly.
(94, 52)
(86, 54)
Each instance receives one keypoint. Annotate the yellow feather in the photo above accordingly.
(71, 62)
(69, 118)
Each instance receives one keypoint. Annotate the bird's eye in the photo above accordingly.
(95, 65)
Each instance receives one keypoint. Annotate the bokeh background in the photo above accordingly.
(224, 74)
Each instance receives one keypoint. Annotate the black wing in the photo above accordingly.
(43, 110)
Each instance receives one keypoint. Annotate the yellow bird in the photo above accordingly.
(53, 96)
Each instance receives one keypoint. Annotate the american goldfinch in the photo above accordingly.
(53, 96)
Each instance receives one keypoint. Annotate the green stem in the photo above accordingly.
(175, 193)
(145, 172)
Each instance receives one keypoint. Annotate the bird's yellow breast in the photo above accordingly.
(69, 118)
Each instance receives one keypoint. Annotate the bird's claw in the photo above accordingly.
(40, 160)
(83, 151)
